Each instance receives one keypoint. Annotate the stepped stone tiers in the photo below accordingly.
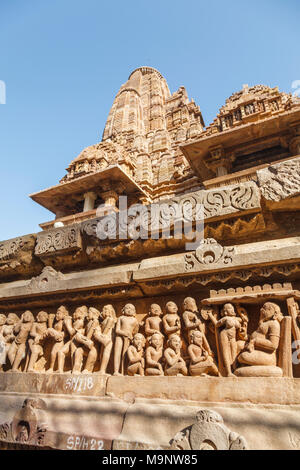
(156, 342)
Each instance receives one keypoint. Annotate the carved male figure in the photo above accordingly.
(38, 333)
(264, 342)
(153, 321)
(175, 365)
(127, 327)
(171, 320)
(154, 354)
(104, 335)
(17, 350)
(202, 362)
(135, 355)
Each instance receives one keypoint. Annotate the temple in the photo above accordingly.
(162, 298)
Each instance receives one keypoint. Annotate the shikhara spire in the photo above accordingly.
(143, 131)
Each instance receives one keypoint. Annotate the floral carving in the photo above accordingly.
(62, 239)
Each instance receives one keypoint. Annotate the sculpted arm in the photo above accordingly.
(271, 343)
(188, 323)
(170, 358)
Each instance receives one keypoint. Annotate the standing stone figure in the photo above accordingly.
(38, 334)
(104, 336)
(227, 328)
(17, 350)
(190, 318)
(153, 321)
(74, 346)
(127, 327)
(58, 334)
(171, 320)
(90, 349)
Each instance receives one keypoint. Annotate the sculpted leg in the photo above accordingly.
(20, 354)
(35, 354)
(78, 358)
(53, 355)
(90, 362)
(257, 358)
(226, 353)
(118, 353)
(12, 353)
(153, 371)
(105, 358)
(61, 356)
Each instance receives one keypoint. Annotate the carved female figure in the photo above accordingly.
(202, 362)
(175, 364)
(17, 350)
(87, 341)
(153, 321)
(76, 330)
(263, 344)
(154, 354)
(229, 324)
(135, 355)
(58, 333)
(127, 327)
(191, 318)
(7, 332)
(104, 335)
(38, 333)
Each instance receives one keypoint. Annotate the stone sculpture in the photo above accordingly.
(208, 433)
(127, 326)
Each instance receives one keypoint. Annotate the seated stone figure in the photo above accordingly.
(154, 355)
(202, 362)
(175, 364)
(259, 357)
(135, 355)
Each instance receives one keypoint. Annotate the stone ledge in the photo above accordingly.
(65, 384)
(259, 390)
(256, 390)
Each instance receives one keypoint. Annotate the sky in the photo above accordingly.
(63, 61)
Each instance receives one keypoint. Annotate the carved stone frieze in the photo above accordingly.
(56, 241)
(280, 180)
(16, 253)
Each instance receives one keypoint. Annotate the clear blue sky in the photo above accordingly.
(63, 61)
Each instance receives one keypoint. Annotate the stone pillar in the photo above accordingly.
(89, 201)
(110, 198)
(221, 171)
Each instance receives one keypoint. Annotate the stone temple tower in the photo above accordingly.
(140, 151)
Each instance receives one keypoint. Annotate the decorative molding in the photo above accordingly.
(28, 425)
(49, 279)
(208, 433)
(209, 252)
